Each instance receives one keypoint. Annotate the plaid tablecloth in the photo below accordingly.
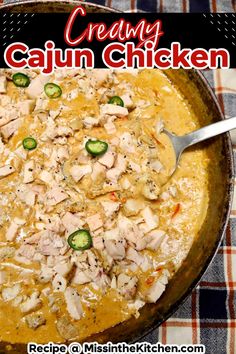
(209, 314)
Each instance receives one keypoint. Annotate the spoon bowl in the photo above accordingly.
(180, 143)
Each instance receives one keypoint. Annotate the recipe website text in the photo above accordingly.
(110, 348)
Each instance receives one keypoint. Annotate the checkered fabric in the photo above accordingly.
(209, 314)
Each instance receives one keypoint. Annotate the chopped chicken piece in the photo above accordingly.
(101, 281)
(127, 143)
(120, 166)
(125, 183)
(131, 232)
(107, 159)
(134, 166)
(36, 86)
(127, 286)
(147, 264)
(51, 244)
(136, 304)
(29, 171)
(151, 220)
(112, 234)
(33, 239)
(71, 222)
(132, 207)
(13, 228)
(81, 277)
(11, 293)
(63, 268)
(5, 100)
(110, 127)
(8, 114)
(46, 177)
(157, 288)
(151, 190)
(99, 76)
(90, 122)
(46, 274)
(30, 198)
(134, 256)
(59, 283)
(32, 303)
(21, 152)
(115, 141)
(9, 129)
(113, 283)
(98, 171)
(155, 238)
(25, 107)
(110, 208)
(94, 222)
(73, 303)
(73, 94)
(128, 103)
(3, 84)
(55, 225)
(62, 154)
(6, 252)
(114, 110)
(41, 115)
(35, 320)
(156, 165)
(55, 195)
(78, 172)
(116, 249)
(63, 131)
(84, 158)
(121, 163)
(66, 329)
(27, 251)
(6, 170)
(98, 243)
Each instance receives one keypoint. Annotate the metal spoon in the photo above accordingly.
(180, 143)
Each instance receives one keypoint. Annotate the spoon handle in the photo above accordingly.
(209, 131)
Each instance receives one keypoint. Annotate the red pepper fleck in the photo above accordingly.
(159, 269)
(149, 280)
(113, 197)
(176, 210)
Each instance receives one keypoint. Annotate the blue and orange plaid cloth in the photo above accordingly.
(209, 315)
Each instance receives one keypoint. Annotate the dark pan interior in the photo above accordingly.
(199, 95)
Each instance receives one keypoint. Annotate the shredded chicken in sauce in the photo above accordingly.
(82, 154)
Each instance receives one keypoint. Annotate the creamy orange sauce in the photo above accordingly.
(180, 215)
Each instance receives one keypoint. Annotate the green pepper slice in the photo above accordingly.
(29, 143)
(117, 100)
(96, 147)
(80, 240)
(52, 90)
(21, 80)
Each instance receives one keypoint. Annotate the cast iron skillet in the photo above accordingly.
(200, 96)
